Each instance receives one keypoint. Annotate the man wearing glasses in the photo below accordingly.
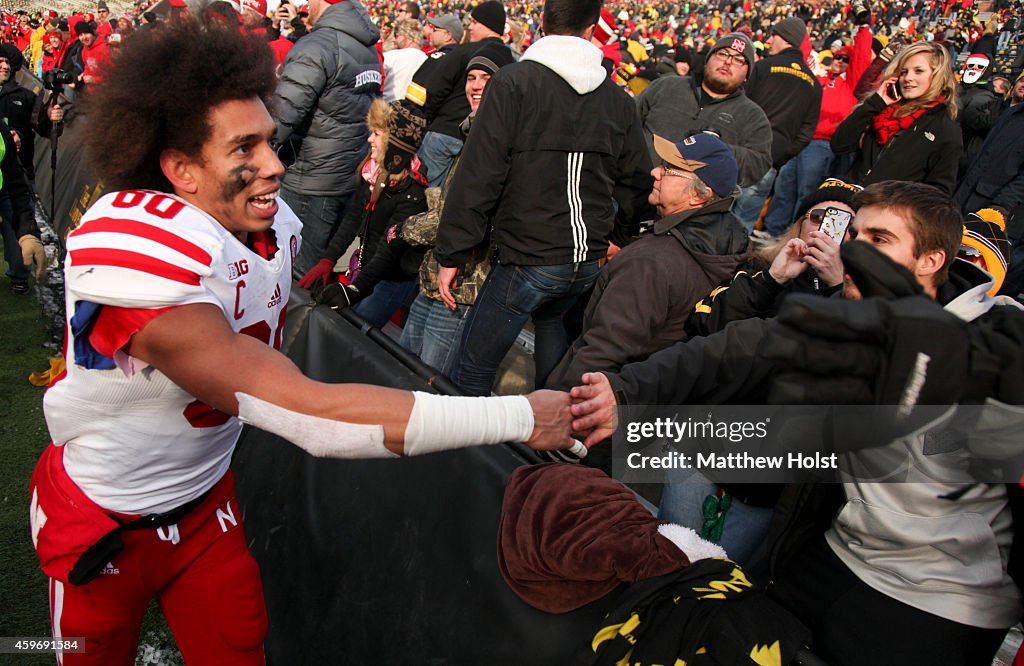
(978, 106)
(643, 298)
(407, 10)
(104, 25)
(677, 107)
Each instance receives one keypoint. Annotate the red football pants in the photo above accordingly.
(202, 573)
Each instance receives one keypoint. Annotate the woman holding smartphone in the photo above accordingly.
(907, 130)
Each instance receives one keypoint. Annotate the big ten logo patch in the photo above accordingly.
(237, 269)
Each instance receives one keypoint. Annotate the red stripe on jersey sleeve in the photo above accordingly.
(147, 231)
(134, 261)
(115, 326)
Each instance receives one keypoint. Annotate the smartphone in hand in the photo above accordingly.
(893, 91)
(835, 223)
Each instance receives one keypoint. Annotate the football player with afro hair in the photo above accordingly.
(177, 283)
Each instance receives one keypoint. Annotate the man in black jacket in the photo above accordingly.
(18, 220)
(326, 86)
(438, 88)
(554, 144)
(978, 107)
(790, 95)
(16, 106)
(995, 179)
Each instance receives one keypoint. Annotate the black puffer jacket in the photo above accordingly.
(926, 152)
(327, 84)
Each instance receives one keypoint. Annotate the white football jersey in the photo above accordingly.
(136, 442)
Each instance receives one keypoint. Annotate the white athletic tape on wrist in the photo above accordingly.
(440, 423)
(323, 438)
(693, 546)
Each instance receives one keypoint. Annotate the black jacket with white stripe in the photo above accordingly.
(553, 143)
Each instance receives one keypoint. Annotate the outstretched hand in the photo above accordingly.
(594, 410)
(551, 420)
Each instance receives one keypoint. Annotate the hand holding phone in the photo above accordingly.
(890, 91)
(835, 223)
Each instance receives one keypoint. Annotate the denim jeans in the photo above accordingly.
(682, 502)
(437, 152)
(16, 269)
(434, 333)
(751, 200)
(320, 217)
(797, 178)
(509, 297)
(384, 301)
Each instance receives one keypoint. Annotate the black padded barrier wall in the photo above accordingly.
(386, 562)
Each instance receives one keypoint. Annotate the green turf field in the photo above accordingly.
(22, 437)
(23, 599)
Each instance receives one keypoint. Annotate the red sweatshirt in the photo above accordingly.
(837, 98)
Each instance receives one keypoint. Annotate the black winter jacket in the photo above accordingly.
(439, 87)
(926, 152)
(752, 292)
(328, 81)
(14, 185)
(979, 108)
(543, 165)
(996, 177)
(370, 224)
(790, 95)
(16, 106)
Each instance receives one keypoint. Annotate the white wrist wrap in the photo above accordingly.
(439, 423)
(323, 438)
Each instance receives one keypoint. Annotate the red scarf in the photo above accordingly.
(887, 125)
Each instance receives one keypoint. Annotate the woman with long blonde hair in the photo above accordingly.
(907, 130)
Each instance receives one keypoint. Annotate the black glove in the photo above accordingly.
(875, 274)
(905, 352)
(335, 294)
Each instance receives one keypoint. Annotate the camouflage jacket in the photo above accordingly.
(421, 230)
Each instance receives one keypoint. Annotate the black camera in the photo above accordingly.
(56, 79)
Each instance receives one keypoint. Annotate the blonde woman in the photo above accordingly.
(907, 130)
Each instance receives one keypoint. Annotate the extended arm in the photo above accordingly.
(194, 346)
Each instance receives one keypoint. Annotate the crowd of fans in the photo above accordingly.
(718, 158)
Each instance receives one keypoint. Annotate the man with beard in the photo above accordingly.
(677, 107)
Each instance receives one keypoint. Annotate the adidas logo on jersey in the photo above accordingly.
(110, 569)
(275, 300)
